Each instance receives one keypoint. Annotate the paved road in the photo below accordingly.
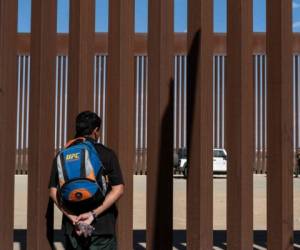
(179, 210)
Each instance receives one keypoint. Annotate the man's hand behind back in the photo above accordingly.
(86, 218)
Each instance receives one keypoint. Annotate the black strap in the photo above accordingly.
(62, 161)
(82, 164)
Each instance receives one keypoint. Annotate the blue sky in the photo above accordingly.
(180, 15)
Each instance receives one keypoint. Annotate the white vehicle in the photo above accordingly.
(219, 160)
(182, 166)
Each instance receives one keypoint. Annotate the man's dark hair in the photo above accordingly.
(86, 122)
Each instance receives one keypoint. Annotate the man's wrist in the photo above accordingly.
(94, 214)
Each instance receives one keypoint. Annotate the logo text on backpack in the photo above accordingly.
(72, 156)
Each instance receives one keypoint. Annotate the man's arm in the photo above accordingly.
(115, 193)
(53, 196)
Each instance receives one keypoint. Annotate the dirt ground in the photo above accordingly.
(179, 220)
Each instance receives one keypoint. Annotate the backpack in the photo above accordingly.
(82, 186)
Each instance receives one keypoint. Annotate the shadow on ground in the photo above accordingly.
(179, 239)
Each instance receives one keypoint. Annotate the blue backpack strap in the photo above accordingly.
(64, 172)
(91, 146)
(82, 164)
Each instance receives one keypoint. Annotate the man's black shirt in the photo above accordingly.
(105, 223)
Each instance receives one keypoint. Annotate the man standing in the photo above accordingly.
(103, 218)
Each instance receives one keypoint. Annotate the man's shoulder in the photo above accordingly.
(104, 150)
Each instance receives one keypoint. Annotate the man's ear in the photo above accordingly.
(94, 131)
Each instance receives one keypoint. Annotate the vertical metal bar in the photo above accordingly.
(56, 105)
(160, 125)
(261, 124)
(295, 92)
(185, 103)
(137, 152)
(200, 120)
(180, 103)
(175, 101)
(61, 87)
(140, 111)
(182, 99)
(104, 94)
(22, 113)
(142, 101)
(177, 97)
(296, 84)
(27, 110)
(280, 155)
(214, 100)
(259, 113)
(18, 108)
(41, 151)
(66, 99)
(298, 102)
(8, 107)
(100, 84)
(239, 125)
(63, 84)
(120, 97)
(218, 101)
(142, 114)
(95, 83)
(223, 104)
(294, 104)
(146, 114)
(265, 113)
(97, 93)
(256, 111)
(59, 103)
(18, 127)
(23, 102)
(137, 103)
(81, 58)
(58, 100)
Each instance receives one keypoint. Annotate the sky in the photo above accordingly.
(180, 15)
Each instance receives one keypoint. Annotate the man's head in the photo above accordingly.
(88, 124)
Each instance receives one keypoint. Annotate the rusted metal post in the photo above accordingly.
(239, 125)
(81, 59)
(41, 121)
(120, 107)
(8, 107)
(200, 125)
(279, 134)
(160, 126)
